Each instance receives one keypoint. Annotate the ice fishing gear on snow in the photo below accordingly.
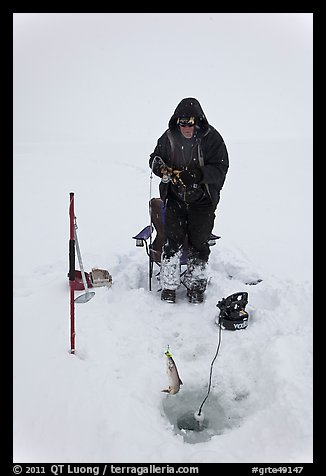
(232, 317)
(71, 273)
(80, 280)
(232, 311)
(196, 421)
(95, 279)
(100, 277)
(232, 314)
(88, 295)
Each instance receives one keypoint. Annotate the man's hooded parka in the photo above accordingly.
(210, 152)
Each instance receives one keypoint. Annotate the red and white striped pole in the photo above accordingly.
(72, 272)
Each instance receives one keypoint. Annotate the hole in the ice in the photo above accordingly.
(180, 409)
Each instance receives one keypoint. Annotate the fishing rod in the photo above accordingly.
(168, 175)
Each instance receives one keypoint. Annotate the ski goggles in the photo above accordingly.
(186, 121)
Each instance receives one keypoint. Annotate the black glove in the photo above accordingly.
(190, 177)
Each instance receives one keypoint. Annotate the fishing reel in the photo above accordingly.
(168, 174)
(232, 314)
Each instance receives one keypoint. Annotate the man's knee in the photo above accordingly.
(170, 248)
(199, 252)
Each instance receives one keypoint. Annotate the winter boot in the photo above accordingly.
(195, 296)
(168, 295)
(195, 280)
(170, 271)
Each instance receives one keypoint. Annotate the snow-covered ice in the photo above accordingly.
(105, 404)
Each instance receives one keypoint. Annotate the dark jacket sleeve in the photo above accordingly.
(216, 160)
(163, 151)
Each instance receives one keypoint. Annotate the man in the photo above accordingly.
(192, 160)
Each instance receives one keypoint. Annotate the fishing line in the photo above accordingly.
(211, 370)
(197, 421)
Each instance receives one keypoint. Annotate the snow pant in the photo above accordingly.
(193, 224)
